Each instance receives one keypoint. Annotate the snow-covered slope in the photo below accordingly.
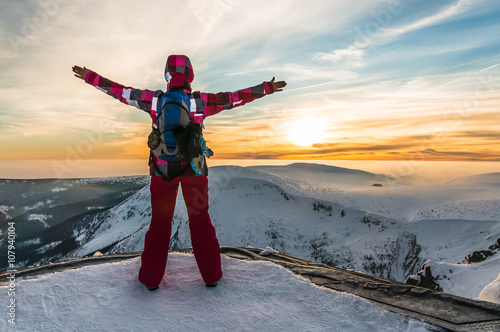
(392, 198)
(252, 296)
(47, 212)
(468, 280)
(323, 213)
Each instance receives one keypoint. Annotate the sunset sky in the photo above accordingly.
(379, 80)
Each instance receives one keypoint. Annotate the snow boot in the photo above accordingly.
(213, 284)
(148, 287)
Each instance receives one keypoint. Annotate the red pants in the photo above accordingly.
(203, 239)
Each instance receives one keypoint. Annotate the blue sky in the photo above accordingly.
(384, 80)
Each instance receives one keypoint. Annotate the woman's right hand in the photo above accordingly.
(277, 86)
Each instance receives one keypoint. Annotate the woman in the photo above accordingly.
(179, 75)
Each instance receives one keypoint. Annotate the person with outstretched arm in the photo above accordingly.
(167, 175)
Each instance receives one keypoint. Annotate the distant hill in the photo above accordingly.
(321, 213)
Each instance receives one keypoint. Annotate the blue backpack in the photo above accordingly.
(173, 137)
(172, 117)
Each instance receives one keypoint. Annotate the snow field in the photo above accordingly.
(250, 207)
(475, 281)
(252, 296)
(491, 292)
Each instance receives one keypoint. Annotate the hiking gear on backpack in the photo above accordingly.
(190, 139)
(172, 118)
(173, 138)
(154, 138)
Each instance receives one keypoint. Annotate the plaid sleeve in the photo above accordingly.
(130, 96)
(214, 103)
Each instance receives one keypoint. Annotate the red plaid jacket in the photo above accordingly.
(202, 105)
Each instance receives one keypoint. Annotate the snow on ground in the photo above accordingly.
(252, 296)
(469, 280)
(58, 189)
(49, 246)
(37, 205)
(274, 206)
(4, 209)
(470, 198)
(41, 218)
(126, 219)
(268, 251)
(491, 292)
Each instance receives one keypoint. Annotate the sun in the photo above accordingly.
(306, 132)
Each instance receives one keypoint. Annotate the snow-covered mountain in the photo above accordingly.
(352, 219)
(46, 212)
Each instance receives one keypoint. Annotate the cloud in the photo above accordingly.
(486, 134)
(234, 44)
(460, 155)
(377, 31)
(402, 148)
(351, 56)
(459, 7)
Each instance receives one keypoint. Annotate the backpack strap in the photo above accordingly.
(154, 102)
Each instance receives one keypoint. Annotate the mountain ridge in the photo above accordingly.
(385, 231)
